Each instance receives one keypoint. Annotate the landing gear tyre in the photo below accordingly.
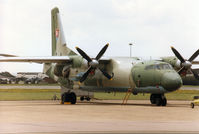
(158, 102)
(88, 98)
(158, 99)
(73, 98)
(82, 98)
(152, 99)
(192, 105)
(65, 98)
(164, 102)
(69, 97)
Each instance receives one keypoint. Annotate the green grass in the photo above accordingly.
(47, 94)
(28, 94)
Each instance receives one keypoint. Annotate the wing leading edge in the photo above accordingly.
(47, 59)
(50, 59)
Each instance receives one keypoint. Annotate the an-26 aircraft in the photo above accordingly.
(156, 77)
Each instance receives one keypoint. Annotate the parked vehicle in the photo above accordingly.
(195, 101)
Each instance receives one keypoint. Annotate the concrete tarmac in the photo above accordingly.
(26, 86)
(97, 116)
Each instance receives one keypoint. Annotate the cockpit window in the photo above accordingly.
(159, 67)
(150, 67)
(166, 66)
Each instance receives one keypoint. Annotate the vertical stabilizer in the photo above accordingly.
(59, 46)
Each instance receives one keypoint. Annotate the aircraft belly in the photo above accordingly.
(103, 89)
(150, 89)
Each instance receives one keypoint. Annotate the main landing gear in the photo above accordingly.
(69, 97)
(82, 98)
(158, 99)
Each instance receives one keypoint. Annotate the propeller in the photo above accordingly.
(186, 64)
(93, 63)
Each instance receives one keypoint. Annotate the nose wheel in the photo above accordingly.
(158, 99)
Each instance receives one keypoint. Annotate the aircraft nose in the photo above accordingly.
(171, 81)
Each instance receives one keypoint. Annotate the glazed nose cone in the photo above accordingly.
(171, 81)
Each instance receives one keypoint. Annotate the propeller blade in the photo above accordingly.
(106, 74)
(85, 75)
(194, 56)
(177, 54)
(186, 65)
(100, 54)
(83, 54)
(93, 63)
(195, 74)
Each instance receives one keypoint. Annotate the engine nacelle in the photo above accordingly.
(61, 70)
(66, 71)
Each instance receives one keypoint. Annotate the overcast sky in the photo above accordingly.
(151, 25)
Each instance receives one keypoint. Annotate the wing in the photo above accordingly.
(46, 59)
(50, 59)
(104, 60)
(8, 55)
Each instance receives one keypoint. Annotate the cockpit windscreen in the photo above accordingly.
(159, 67)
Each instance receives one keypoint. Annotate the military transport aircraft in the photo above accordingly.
(123, 74)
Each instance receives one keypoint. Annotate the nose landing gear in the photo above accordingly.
(158, 99)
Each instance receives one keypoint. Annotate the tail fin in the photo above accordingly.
(59, 46)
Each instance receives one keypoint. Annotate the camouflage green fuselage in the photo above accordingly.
(128, 73)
